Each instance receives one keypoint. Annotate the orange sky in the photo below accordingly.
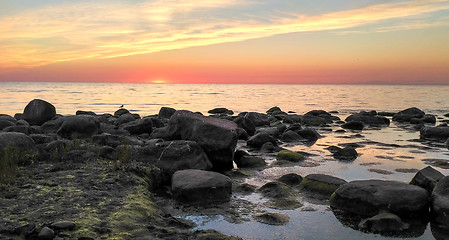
(404, 42)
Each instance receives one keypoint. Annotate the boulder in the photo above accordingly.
(259, 139)
(353, 125)
(221, 111)
(311, 120)
(179, 155)
(290, 156)
(46, 233)
(217, 137)
(81, 112)
(139, 126)
(8, 118)
(427, 178)
(345, 154)
(199, 187)
(321, 183)
(407, 114)
(246, 124)
(15, 139)
(440, 203)
(166, 112)
(291, 136)
(79, 126)
(368, 119)
(120, 112)
(23, 129)
(250, 162)
(429, 118)
(112, 140)
(440, 133)
(370, 197)
(384, 222)
(5, 123)
(309, 133)
(124, 118)
(275, 190)
(38, 111)
(272, 218)
(291, 179)
(258, 119)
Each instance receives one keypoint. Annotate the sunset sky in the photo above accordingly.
(225, 41)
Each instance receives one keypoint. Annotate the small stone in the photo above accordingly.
(272, 218)
(63, 225)
(46, 234)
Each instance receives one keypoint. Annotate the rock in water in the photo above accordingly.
(198, 186)
(79, 126)
(440, 133)
(384, 222)
(346, 154)
(427, 178)
(369, 197)
(440, 202)
(217, 137)
(272, 218)
(407, 114)
(321, 183)
(38, 111)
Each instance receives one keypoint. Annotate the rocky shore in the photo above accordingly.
(123, 176)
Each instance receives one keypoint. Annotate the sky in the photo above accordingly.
(225, 41)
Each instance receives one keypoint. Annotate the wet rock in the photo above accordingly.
(271, 218)
(79, 127)
(63, 225)
(370, 197)
(268, 147)
(384, 222)
(311, 120)
(46, 234)
(212, 235)
(245, 188)
(353, 125)
(120, 112)
(179, 155)
(407, 114)
(139, 126)
(166, 112)
(242, 134)
(290, 156)
(197, 187)
(429, 118)
(275, 190)
(258, 119)
(259, 139)
(246, 124)
(321, 183)
(250, 162)
(440, 202)
(38, 111)
(5, 123)
(439, 232)
(217, 137)
(309, 133)
(291, 179)
(440, 133)
(272, 131)
(291, 136)
(221, 111)
(427, 178)
(368, 119)
(345, 154)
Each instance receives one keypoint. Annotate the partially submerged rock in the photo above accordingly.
(440, 133)
(250, 162)
(271, 218)
(408, 114)
(322, 183)
(217, 137)
(345, 154)
(427, 178)
(291, 179)
(198, 187)
(370, 197)
(289, 156)
(440, 203)
(384, 222)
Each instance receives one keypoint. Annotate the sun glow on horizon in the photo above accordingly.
(157, 81)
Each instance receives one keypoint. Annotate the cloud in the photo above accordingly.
(105, 30)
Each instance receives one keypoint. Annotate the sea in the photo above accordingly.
(388, 153)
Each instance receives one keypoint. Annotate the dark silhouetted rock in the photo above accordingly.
(250, 162)
(291, 136)
(309, 133)
(345, 154)
(120, 112)
(5, 123)
(275, 190)
(291, 179)
(79, 126)
(370, 197)
(258, 119)
(139, 126)
(427, 178)
(368, 119)
(63, 225)
(9, 118)
(221, 111)
(440, 133)
(407, 114)
(311, 120)
(429, 118)
(46, 233)
(124, 118)
(81, 112)
(38, 111)
(246, 124)
(321, 183)
(353, 125)
(259, 139)
(15, 139)
(199, 187)
(23, 129)
(166, 112)
(217, 137)
(440, 202)
(384, 223)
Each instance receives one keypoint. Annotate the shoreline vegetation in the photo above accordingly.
(123, 176)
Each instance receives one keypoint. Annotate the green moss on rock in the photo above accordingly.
(289, 156)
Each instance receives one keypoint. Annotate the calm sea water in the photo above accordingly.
(147, 99)
(382, 155)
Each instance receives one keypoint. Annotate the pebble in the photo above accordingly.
(46, 234)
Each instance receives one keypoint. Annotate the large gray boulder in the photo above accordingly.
(370, 197)
(217, 137)
(259, 119)
(407, 114)
(80, 126)
(199, 187)
(5, 124)
(38, 111)
(440, 133)
(440, 202)
(260, 139)
(427, 178)
(15, 139)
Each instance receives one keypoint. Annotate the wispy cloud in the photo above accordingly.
(94, 30)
